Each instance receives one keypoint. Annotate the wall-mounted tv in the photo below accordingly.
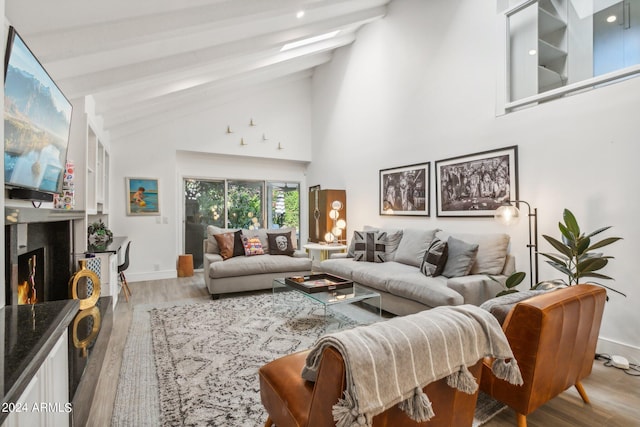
(37, 120)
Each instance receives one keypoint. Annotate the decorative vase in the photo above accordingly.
(90, 280)
(92, 315)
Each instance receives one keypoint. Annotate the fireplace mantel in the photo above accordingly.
(20, 215)
(28, 230)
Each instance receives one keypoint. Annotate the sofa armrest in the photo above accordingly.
(300, 254)
(338, 255)
(211, 258)
(477, 288)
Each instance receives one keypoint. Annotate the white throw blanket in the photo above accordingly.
(392, 361)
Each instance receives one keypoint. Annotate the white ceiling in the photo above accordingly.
(145, 61)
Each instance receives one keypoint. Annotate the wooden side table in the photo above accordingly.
(185, 265)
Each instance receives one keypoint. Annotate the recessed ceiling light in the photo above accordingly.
(310, 40)
(532, 52)
(300, 14)
(612, 18)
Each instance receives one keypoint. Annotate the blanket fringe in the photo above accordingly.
(345, 413)
(418, 406)
(508, 371)
(463, 380)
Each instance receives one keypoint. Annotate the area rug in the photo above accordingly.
(196, 364)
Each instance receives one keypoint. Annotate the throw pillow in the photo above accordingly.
(225, 243)
(435, 258)
(369, 246)
(391, 243)
(460, 259)
(413, 245)
(492, 250)
(252, 246)
(238, 244)
(280, 244)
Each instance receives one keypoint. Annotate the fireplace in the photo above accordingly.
(31, 276)
(39, 250)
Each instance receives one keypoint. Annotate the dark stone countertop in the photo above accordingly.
(30, 332)
(111, 246)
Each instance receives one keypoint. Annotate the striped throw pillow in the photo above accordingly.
(435, 258)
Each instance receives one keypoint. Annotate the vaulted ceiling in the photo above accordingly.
(144, 61)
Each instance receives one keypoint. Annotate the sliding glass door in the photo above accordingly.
(236, 204)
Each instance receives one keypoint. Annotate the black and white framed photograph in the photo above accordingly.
(477, 184)
(405, 190)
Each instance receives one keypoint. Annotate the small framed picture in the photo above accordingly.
(405, 190)
(475, 185)
(143, 196)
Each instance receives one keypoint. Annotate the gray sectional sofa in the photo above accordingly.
(249, 273)
(405, 289)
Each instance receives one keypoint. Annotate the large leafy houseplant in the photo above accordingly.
(577, 257)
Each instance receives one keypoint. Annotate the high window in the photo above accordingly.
(555, 47)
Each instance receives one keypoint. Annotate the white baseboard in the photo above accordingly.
(151, 275)
(612, 347)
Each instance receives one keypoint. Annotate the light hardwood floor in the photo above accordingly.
(615, 396)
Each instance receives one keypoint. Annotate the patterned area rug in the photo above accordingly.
(206, 357)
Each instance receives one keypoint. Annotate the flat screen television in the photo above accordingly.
(37, 121)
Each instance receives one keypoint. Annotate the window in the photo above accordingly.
(284, 204)
(244, 206)
(238, 204)
(555, 47)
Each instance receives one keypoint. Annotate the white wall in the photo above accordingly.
(419, 86)
(198, 146)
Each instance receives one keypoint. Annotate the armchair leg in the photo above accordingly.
(268, 423)
(522, 420)
(583, 394)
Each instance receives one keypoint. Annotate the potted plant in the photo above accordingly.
(99, 233)
(511, 282)
(577, 257)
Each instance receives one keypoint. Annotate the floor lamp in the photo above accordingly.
(509, 214)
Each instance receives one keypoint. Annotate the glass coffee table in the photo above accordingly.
(330, 298)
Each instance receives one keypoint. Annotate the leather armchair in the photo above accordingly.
(292, 401)
(553, 337)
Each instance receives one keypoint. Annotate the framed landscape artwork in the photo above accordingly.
(405, 190)
(477, 184)
(143, 196)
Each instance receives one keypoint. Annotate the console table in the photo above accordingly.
(108, 254)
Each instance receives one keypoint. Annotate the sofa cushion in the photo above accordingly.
(492, 250)
(245, 266)
(413, 245)
(391, 242)
(252, 246)
(238, 244)
(225, 244)
(280, 244)
(369, 246)
(378, 275)
(343, 267)
(212, 244)
(435, 258)
(461, 257)
(430, 291)
(262, 234)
